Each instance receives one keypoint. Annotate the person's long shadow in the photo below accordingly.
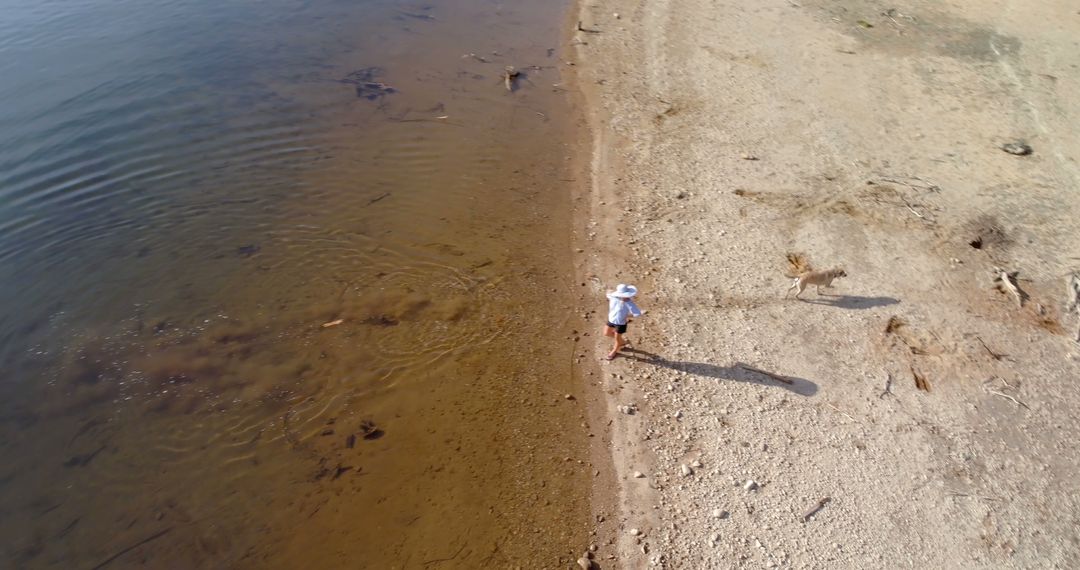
(738, 372)
(852, 301)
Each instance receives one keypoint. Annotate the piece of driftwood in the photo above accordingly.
(913, 182)
(476, 57)
(150, 538)
(416, 15)
(888, 385)
(509, 76)
(842, 412)
(776, 377)
(1072, 296)
(1006, 396)
(333, 323)
(581, 28)
(1006, 280)
(920, 380)
(814, 509)
(994, 355)
(377, 198)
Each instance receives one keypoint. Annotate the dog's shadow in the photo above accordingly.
(736, 372)
(851, 301)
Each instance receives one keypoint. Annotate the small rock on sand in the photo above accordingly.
(638, 475)
(635, 532)
(750, 485)
(686, 470)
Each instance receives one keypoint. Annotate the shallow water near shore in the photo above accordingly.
(270, 284)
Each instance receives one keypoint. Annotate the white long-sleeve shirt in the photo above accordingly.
(620, 309)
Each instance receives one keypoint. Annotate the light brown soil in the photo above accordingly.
(728, 135)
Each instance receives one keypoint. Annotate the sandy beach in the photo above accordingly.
(921, 412)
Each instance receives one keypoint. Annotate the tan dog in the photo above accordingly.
(818, 278)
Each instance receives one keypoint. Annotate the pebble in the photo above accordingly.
(616, 14)
(686, 470)
(569, 396)
(750, 485)
(696, 464)
(635, 532)
(639, 475)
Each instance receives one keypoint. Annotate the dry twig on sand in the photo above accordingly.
(1072, 297)
(476, 57)
(920, 380)
(581, 28)
(1004, 395)
(1006, 281)
(913, 182)
(888, 385)
(509, 76)
(842, 412)
(994, 355)
(814, 509)
(776, 377)
(416, 15)
(150, 538)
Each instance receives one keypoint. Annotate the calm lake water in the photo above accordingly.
(284, 286)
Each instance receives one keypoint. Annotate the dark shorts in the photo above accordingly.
(618, 328)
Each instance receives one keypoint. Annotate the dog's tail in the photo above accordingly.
(797, 264)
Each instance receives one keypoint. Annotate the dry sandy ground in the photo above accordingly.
(728, 134)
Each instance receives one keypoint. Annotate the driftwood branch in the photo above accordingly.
(581, 28)
(814, 509)
(1072, 296)
(776, 377)
(150, 538)
(448, 559)
(1004, 395)
(888, 385)
(509, 76)
(994, 355)
(1007, 280)
(920, 380)
(919, 184)
(842, 412)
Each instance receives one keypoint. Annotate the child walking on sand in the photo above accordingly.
(620, 308)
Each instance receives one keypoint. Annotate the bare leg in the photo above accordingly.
(608, 331)
(619, 343)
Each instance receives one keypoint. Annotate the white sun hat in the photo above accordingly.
(624, 290)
